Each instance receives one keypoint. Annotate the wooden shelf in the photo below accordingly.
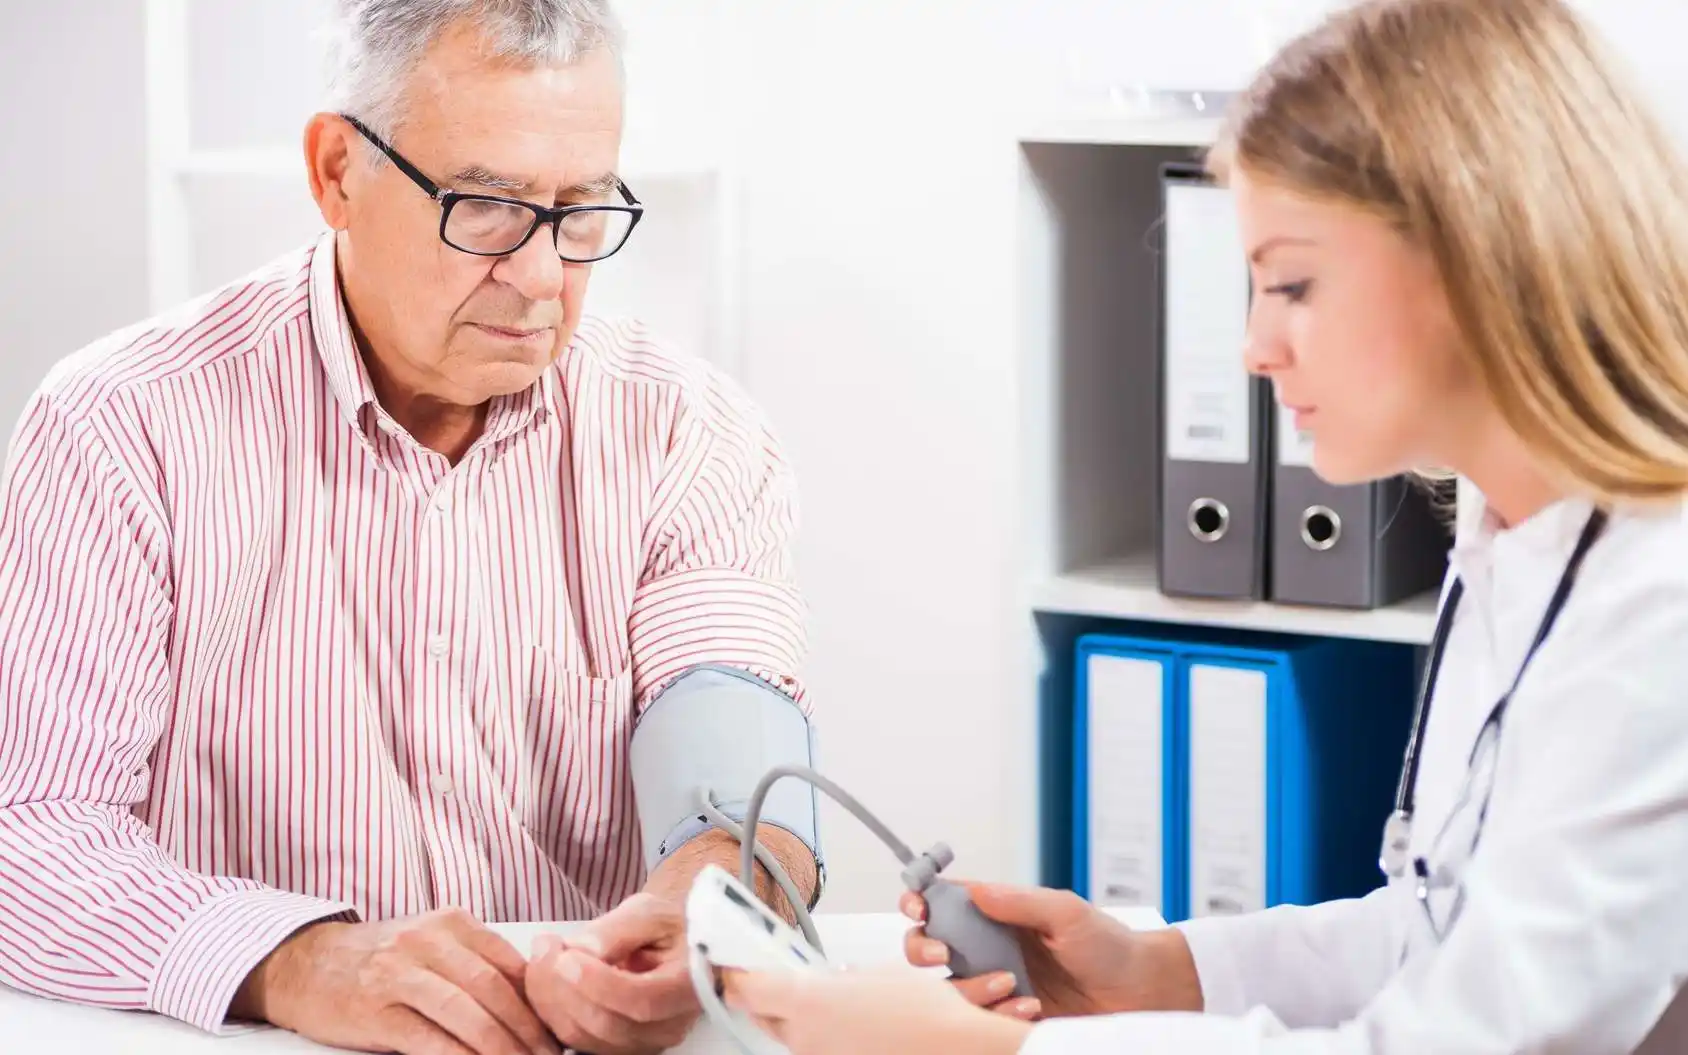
(1126, 589)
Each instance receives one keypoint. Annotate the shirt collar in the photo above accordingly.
(1549, 534)
(348, 377)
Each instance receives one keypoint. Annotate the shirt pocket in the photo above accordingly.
(579, 728)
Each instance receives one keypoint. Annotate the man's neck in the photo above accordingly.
(444, 427)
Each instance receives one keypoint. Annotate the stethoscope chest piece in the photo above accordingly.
(1397, 838)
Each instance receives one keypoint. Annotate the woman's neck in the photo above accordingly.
(1514, 486)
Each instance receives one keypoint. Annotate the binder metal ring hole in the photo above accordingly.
(1209, 519)
(1321, 528)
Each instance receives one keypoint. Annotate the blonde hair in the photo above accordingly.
(1497, 135)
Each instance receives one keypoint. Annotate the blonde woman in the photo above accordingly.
(1469, 243)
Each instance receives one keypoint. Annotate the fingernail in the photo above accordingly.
(587, 943)
(936, 951)
(1001, 984)
(1028, 1007)
(569, 968)
(546, 944)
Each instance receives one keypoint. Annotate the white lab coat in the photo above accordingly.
(1574, 931)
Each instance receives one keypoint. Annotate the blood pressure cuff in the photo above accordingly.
(724, 729)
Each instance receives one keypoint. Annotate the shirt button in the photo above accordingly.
(439, 646)
(440, 783)
(441, 501)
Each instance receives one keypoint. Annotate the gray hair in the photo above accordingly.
(374, 45)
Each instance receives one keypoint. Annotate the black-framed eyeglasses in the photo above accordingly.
(490, 225)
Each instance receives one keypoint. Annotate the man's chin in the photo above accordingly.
(506, 377)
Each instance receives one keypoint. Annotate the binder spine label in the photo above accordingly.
(1126, 823)
(1228, 790)
(1208, 416)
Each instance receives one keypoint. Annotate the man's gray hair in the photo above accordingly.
(373, 45)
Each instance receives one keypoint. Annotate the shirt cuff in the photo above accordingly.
(1136, 1032)
(1155, 1031)
(220, 944)
(1218, 967)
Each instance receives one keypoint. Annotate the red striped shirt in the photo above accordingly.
(265, 658)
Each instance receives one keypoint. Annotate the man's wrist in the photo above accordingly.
(252, 1001)
(673, 878)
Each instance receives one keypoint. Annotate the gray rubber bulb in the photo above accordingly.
(978, 945)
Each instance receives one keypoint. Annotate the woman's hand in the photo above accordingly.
(882, 1012)
(1081, 960)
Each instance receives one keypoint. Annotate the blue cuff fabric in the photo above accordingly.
(721, 728)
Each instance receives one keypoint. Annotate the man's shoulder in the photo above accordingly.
(227, 323)
(611, 354)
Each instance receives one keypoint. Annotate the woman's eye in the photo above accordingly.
(1294, 292)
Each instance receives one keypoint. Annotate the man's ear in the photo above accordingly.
(328, 162)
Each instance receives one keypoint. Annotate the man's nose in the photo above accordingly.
(535, 270)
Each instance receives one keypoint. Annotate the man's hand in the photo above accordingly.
(439, 984)
(620, 985)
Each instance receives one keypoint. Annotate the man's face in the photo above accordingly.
(450, 325)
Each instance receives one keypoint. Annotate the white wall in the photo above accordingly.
(874, 141)
(70, 214)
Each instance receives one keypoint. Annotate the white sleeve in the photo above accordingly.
(1571, 939)
(1310, 966)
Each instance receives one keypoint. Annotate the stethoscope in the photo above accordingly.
(1398, 829)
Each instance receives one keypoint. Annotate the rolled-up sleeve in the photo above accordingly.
(719, 587)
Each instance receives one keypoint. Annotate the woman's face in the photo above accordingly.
(1350, 323)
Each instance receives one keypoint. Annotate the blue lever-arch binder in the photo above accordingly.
(1127, 760)
(1274, 762)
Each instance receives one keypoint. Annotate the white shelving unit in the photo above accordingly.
(1089, 200)
(1125, 589)
(687, 180)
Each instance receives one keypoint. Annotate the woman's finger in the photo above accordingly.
(913, 906)
(986, 990)
(922, 951)
(763, 994)
(1026, 1009)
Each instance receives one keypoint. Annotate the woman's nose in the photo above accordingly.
(1264, 353)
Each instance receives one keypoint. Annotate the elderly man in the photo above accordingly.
(335, 602)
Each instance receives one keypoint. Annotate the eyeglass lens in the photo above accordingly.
(479, 225)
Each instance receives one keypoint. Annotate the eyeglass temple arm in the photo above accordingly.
(429, 187)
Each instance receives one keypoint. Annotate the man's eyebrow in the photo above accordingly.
(486, 179)
(600, 186)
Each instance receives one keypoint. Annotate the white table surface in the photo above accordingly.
(33, 1026)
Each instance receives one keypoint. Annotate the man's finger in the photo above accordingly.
(409, 1033)
(487, 944)
(653, 996)
(639, 921)
(456, 1012)
(487, 984)
(582, 1023)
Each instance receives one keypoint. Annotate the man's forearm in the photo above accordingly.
(673, 877)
